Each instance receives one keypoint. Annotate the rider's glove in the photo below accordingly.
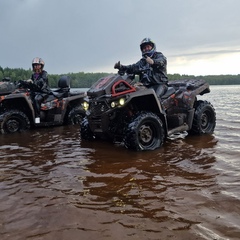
(117, 65)
(149, 60)
(138, 84)
(29, 81)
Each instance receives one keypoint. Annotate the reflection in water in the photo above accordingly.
(128, 182)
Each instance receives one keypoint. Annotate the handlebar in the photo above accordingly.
(28, 85)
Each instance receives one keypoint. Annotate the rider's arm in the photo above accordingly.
(133, 68)
(44, 80)
(159, 60)
(45, 77)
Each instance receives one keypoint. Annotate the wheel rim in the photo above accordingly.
(77, 119)
(146, 134)
(12, 125)
(206, 120)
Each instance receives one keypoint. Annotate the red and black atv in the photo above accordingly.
(119, 111)
(62, 106)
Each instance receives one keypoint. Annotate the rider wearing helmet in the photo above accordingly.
(151, 68)
(39, 78)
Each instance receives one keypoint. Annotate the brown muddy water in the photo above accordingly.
(55, 186)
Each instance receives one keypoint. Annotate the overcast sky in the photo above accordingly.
(199, 37)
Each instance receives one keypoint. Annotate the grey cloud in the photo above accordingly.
(79, 35)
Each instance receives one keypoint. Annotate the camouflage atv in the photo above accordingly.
(119, 111)
(62, 106)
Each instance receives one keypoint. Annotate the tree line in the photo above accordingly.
(85, 80)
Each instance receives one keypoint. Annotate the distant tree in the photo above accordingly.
(1, 75)
(85, 80)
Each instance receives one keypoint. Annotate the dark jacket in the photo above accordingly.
(41, 80)
(156, 73)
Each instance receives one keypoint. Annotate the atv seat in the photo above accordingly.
(168, 93)
(63, 87)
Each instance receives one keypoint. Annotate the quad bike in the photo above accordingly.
(119, 111)
(61, 106)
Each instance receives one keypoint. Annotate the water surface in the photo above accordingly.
(55, 186)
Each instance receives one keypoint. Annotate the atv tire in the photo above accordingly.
(14, 121)
(204, 120)
(75, 116)
(86, 133)
(144, 132)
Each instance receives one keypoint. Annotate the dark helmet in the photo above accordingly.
(147, 41)
(38, 60)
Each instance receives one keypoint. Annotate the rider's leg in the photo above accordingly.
(160, 89)
(38, 100)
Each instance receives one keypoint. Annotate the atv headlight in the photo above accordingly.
(85, 105)
(121, 101)
(113, 104)
(118, 103)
